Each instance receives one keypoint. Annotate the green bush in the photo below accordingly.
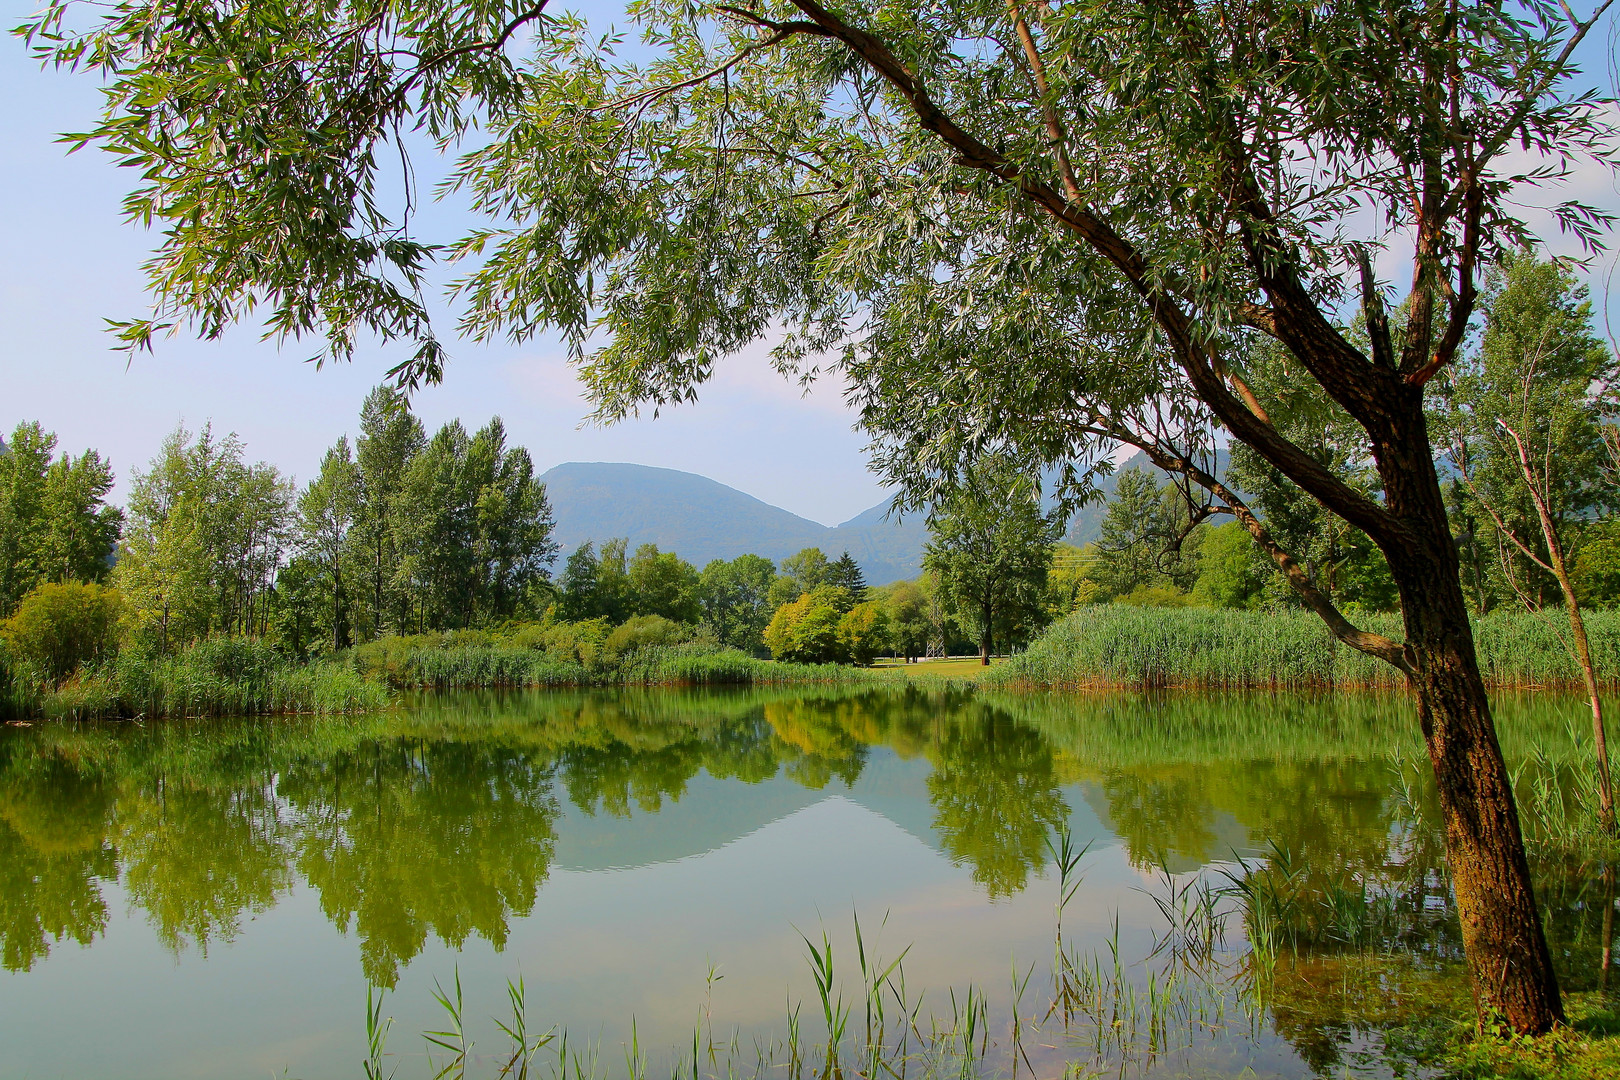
(644, 631)
(1161, 596)
(864, 631)
(56, 629)
(806, 630)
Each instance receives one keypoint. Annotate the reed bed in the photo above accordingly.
(238, 677)
(498, 666)
(222, 677)
(1115, 645)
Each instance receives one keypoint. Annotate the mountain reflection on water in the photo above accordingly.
(453, 820)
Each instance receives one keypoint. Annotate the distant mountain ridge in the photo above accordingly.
(701, 519)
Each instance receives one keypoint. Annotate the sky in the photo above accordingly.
(68, 262)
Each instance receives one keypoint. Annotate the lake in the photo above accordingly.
(214, 899)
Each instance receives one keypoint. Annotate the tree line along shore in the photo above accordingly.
(412, 560)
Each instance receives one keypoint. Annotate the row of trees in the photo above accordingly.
(404, 532)
(398, 532)
(808, 609)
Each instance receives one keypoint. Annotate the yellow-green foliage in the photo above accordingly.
(58, 628)
(643, 631)
(863, 631)
(580, 642)
(1160, 596)
(806, 630)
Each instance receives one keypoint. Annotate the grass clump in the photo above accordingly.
(575, 656)
(1587, 1049)
(1118, 645)
(1121, 645)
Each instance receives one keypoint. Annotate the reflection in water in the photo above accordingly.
(442, 821)
(406, 836)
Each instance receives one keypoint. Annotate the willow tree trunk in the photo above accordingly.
(1501, 928)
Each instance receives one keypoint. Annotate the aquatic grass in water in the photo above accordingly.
(1195, 990)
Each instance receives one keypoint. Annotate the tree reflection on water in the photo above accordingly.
(440, 821)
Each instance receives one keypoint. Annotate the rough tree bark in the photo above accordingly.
(1502, 934)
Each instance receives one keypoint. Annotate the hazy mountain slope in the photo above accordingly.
(701, 519)
(887, 549)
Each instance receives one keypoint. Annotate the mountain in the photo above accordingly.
(701, 519)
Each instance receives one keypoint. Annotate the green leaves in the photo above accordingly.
(260, 132)
(991, 550)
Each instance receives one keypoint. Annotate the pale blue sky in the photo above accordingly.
(67, 262)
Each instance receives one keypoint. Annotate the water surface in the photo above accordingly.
(212, 899)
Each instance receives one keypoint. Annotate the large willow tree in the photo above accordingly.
(1025, 227)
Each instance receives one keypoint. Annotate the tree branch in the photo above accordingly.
(1297, 465)
(1054, 126)
(1375, 645)
(487, 46)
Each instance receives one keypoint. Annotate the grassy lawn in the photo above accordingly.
(953, 668)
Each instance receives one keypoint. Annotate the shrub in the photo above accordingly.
(58, 628)
(643, 631)
(864, 631)
(581, 642)
(1155, 596)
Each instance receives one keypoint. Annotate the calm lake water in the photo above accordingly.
(212, 899)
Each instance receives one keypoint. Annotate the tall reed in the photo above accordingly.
(1115, 645)
(497, 665)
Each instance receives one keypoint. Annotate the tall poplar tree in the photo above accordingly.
(54, 522)
(326, 515)
(390, 434)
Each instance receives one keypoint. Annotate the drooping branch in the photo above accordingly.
(1490, 146)
(494, 45)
